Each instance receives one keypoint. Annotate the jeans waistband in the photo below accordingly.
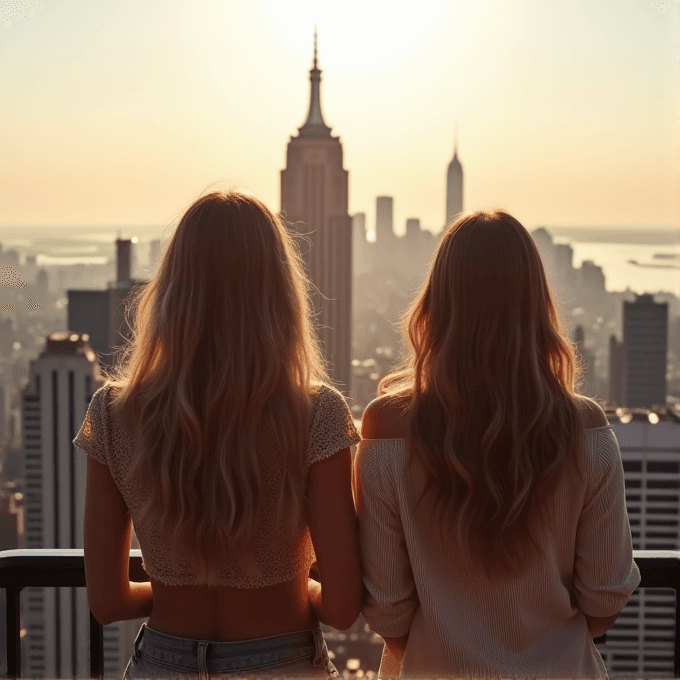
(230, 656)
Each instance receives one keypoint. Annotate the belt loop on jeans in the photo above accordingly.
(138, 639)
(202, 653)
(318, 647)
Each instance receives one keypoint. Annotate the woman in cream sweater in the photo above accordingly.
(492, 521)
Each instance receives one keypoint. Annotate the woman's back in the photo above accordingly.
(529, 624)
(271, 592)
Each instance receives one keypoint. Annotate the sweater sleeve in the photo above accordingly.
(605, 574)
(93, 436)
(390, 595)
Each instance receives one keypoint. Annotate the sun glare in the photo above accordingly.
(355, 32)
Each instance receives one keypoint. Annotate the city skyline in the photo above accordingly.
(569, 119)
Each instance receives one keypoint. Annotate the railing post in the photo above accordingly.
(12, 595)
(96, 649)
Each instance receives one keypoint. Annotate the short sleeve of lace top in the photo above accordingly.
(332, 426)
(93, 436)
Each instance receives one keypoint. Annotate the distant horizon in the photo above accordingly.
(631, 227)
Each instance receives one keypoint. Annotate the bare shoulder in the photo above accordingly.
(593, 414)
(384, 418)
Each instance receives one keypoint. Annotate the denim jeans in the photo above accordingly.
(302, 654)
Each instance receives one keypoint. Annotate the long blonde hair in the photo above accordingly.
(487, 384)
(218, 376)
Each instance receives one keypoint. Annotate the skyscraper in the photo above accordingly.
(101, 313)
(62, 380)
(61, 384)
(454, 186)
(314, 202)
(617, 371)
(641, 642)
(645, 336)
(384, 222)
(359, 243)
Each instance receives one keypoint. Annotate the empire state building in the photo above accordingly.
(314, 203)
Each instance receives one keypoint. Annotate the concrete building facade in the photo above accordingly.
(645, 336)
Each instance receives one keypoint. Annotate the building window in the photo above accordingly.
(663, 484)
(663, 466)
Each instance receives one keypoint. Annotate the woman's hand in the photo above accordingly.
(390, 667)
(397, 646)
(314, 596)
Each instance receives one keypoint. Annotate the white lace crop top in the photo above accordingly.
(105, 440)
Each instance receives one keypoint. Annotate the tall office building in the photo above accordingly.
(123, 259)
(645, 336)
(454, 186)
(641, 642)
(54, 403)
(359, 251)
(617, 372)
(314, 201)
(101, 313)
(384, 222)
(61, 384)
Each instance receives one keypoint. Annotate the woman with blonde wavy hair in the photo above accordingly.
(493, 528)
(220, 437)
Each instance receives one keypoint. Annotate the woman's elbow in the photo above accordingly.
(347, 617)
(347, 611)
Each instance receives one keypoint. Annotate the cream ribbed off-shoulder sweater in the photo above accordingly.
(532, 625)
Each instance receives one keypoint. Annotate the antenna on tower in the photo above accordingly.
(315, 41)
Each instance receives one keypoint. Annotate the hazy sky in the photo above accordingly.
(121, 112)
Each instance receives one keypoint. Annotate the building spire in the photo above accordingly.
(315, 126)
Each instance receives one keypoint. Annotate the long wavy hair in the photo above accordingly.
(487, 387)
(216, 380)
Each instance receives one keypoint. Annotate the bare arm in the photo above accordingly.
(397, 646)
(336, 598)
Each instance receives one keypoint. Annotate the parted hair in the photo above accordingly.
(217, 378)
(487, 386)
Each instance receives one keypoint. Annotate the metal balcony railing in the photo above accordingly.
(66, 568)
